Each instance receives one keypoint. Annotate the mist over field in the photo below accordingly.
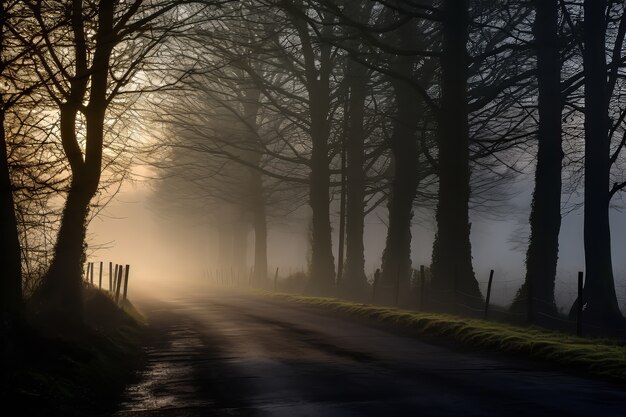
(167, 251)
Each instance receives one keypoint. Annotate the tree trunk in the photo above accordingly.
(10, 258)
(61, 290)
(342, 204)
(599, 291)
(254, 153)
(396, 261)
(63, 284)
(453, 274)
(60, 294)
(322, 279)
(354, 280)
(322, 268)
(545, 216)
(260, 245)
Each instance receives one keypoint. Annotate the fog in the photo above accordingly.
(302, 191)
(165, 252)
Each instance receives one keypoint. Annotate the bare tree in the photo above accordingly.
(87, 64)
(452, 259)
(601, 301)
(10, 260)
(537, 294)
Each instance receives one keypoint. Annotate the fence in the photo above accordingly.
(425, 298)
(422, 297)
(530, 313)
(118, 280)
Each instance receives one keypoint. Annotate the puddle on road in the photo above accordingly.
(168, 381)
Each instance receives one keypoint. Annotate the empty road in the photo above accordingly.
(215, 353)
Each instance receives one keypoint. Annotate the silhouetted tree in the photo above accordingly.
(10, 258)
(452, 258)
(545, 216)
(411, 122)
(600, 297)
(356, 81)
(87, 64)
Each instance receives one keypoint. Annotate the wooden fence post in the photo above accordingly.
(110, 275)
(422, 286)
(118, 284)
(87, 273)
(398, 287)
(114, 280)
(487, 300)
(91, 274)
(275, 278)
(100, 277)
(581, 305)
(126, 282)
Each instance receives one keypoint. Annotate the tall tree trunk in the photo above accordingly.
(260, 242)
(599, 291)
(396, 260)
(354, 280)
(10, 258)
(62, 288)
(545, 216)
(453, 274)
(254, 153)
(60, 293)
(63, 284)
(317, 71)
(322, 268)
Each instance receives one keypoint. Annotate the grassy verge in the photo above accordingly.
(606, 358)
(79, 373)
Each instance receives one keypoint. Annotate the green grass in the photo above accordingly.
(602, 357)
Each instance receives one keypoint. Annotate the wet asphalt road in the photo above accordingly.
(227, 354)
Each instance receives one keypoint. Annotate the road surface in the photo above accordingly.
(228, 354)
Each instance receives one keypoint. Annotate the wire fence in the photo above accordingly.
(533, 310)
(420, 295)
